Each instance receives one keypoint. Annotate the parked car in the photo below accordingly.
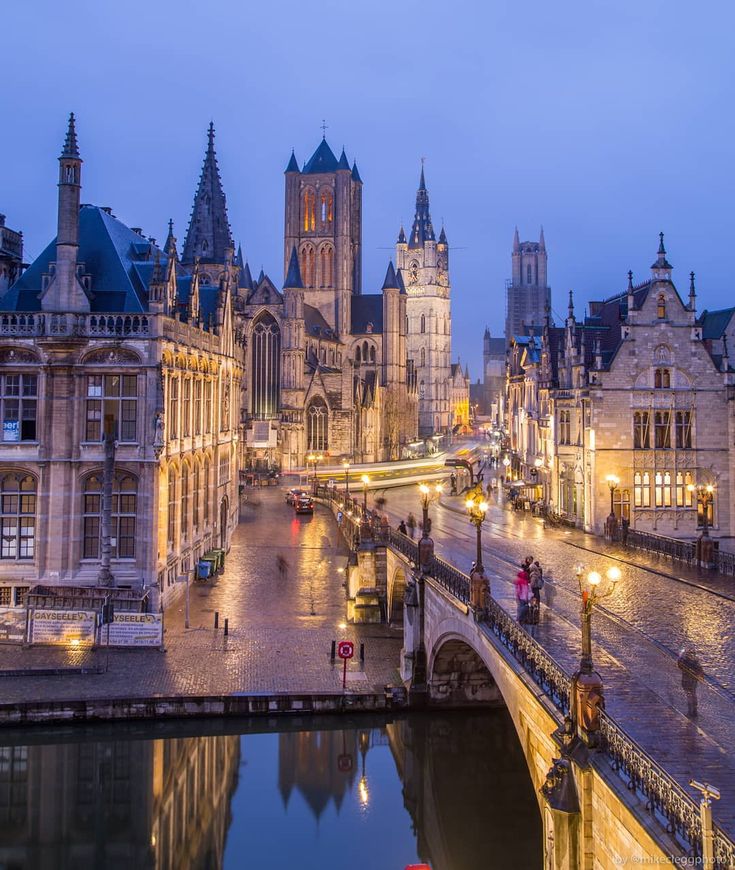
(294, 493)
(304, 504)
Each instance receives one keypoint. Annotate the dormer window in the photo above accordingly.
(662, 379)
(661, 307)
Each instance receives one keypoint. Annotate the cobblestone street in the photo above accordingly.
(280, 625)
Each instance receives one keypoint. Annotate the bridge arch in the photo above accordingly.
(397, 594)
(458, 675)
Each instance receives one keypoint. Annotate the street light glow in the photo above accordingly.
(483, 506)
(424, 488)
(614, 574)
(594, 579)
(469, 504)
(365, 479)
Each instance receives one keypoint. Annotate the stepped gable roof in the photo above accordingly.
(119, 261)
(322, 160)
(714, 323)
(367, 311)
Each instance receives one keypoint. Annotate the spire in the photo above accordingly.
(355, 173)
(170, 246)
(630, 281)
(692, 293)
(422, 230)
(245, 280)
(570, 309)
(391, 282)
(661, 267)
(208, 236)
(322, 160)
(402, 236)
(344, 163)
(442, 237)
(293, 165)
(293, 276)
(487, 332)
(542, 240)
(661, 248)
(71, 148)
(516, 242)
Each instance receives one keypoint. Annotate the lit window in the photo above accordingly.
(19, 398)
(18, 516)
(642, 489)
(317, 426)
(663, 489)
(683, 494)
(308, 204)
(124, 511)
(661, 306)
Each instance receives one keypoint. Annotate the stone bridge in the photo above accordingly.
(603, 801)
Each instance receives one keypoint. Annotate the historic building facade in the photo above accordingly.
(527, 293)
(423, 267)
(641, 391)
(11, 255)
(120, 377)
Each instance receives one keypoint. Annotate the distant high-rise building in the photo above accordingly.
(527, 292)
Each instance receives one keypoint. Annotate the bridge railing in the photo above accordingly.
(674, 548)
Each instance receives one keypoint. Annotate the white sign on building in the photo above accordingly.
(133, 629)
(67, 627)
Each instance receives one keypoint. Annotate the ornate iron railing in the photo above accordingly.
(724, 562)
(674, 548)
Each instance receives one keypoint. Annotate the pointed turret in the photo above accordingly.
(422, 230)
(443, 237)
(71, 147)
(170, 246)
(208, 236)
(343, 163)
(570, 307)
(355, 173)
(542, 240)
(516, 242)
(661, 269)
(391, 281)
(402, 236)
(293, 276)
(245, 279)
(293, 165)
(692, 293)
(322, 160)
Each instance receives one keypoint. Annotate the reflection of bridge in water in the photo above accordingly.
(608, 800)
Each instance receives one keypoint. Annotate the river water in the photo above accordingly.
(448, 789)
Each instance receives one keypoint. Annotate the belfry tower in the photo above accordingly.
(423, 265)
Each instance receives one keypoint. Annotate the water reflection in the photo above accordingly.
(450, 790)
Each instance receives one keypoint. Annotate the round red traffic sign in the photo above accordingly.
(346, 649)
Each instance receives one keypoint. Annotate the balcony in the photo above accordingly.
(52, 325)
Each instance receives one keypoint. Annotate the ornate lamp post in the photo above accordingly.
(588, 695)
(365, 483)
(428, 493)
(705, 497)
(477, 508)
(613, 483)
(346, 466)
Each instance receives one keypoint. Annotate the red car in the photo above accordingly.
(304, 504)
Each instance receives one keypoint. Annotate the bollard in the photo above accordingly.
(362, 653)
(227, 627)
(216, 619)
(333, 654)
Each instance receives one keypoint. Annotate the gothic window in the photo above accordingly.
(621, 503)
(308, 210)
(661, 306)
(173, 409)
(683, 494)
(422, 389)
(358, 355)
(171, 533)
(317, 425)
(206, 490)
(365, 351)
(662, 430)
(208, 406)
(18, 516)
(662, 379)
(423, 323)
(112, 400)
(641, 437)
(529, 275)
(186, 409)
(326, 264)
(196, 495)
(308, 266)
(683, 425)
(197, 407)
(19, 398)
(185, 496)
(423, 356)
(266, 375)
(326, 207)
(662, 489)
(124, 511)
(372, 355)
(642, 489)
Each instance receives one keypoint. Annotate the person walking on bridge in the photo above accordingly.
(691, 675)
(411, 523)
(523, 594)
(402, 528)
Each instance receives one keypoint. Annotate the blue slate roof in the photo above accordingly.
(293, 166)
(714, 323)
(367, 309)
(119, 261)
(322, 160)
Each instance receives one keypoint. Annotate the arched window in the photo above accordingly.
(423, 323)
(196, 493)
(422, 389)
(358, 354)
(266, 374)
(171, 528)
(423, 356)
(308, 210)
(372, 354)
(326, 207)
(18, 516)
(185, 502)
(661, 306)
(205, 494)
(124, 511)
(662, 379)
(326, 261)
(308, 266)
(317, 425)
(365, 351)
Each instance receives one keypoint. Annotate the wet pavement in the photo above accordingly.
(281, 625)
(637, 634)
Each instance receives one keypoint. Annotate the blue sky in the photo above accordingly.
(604, 121)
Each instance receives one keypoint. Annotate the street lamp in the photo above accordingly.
(429, 494)
(365, 482)
(613, 483)
(346, 466)
(705, 497)
(592, 592)
(477, 508)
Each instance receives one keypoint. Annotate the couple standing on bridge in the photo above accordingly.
(528, 585)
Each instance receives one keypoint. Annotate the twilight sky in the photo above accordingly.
(604, 120)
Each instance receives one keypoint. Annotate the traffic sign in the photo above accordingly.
(346, 649)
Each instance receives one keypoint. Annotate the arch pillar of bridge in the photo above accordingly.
(364, 604)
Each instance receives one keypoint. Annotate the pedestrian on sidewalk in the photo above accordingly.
(402, 528)
(691, 675)
(282, 566)
(624, 526)
(536, 579)
(411, 523)
(453, 483)
(523, 594)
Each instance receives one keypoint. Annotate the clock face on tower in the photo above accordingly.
(413, 274)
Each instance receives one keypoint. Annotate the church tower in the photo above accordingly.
(527, 293)
(208, 237)
(423, 265)
(323, 222)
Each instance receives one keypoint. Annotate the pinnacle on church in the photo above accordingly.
(391, 282)
(402, 236)
(293, 165)
(422, 231)
(516, 241)
(322, 160)
(208, 235)
(245, 279)
(442, 237)
(71, 148)
(630, 281)
(170, 246)
(661, 261)
(344, 163)
(355, 173)
(293, 276)
(541, 240)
